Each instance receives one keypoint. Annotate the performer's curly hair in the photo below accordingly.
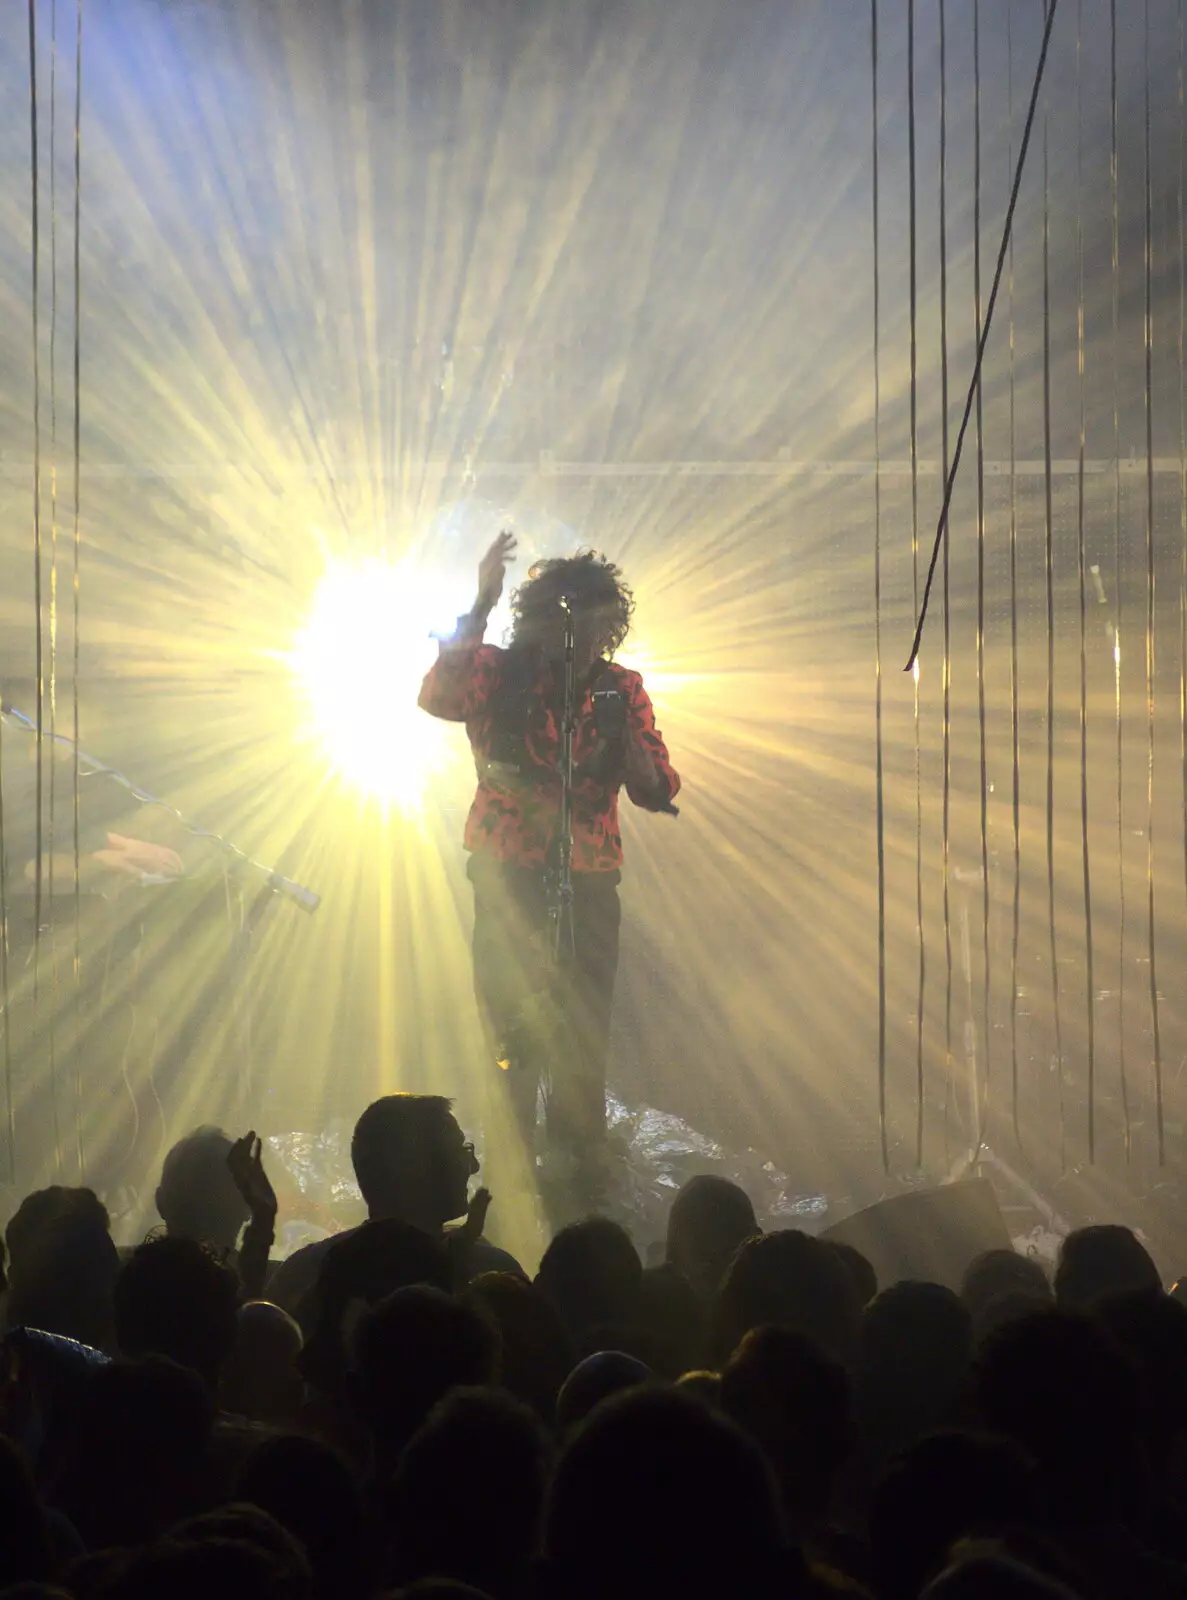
(591, 581)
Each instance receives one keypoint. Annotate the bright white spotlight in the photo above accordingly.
(360, 659)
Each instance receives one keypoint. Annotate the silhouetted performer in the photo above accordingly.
(546, 1023)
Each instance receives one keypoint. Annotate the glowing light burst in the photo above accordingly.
(359, 660)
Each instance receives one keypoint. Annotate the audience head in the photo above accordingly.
(860, 1269)
(673, 1318)
(173, 1298)
(796, 1404)
(1152, 1330)
(254, 1528)
(487, 1534)
(948, 1487)
(593, 1380)
(409, 1352)
(789, 1280)
(141, 1433)
(359, 1270)
(312, 1492)
(914, 1350)
(713, 1524)
(592, 1277)
(709, 1219)
(62, 1266)
(536, 1353)
(1001, 1274)
(197, 1568)
(261, 1379)
(1060, 1387)
(411, 1159)
(197, 1198)
(1100, 1261)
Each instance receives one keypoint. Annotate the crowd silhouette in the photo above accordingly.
(400, 1410)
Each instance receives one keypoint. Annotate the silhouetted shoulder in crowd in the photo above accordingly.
(173, 1298)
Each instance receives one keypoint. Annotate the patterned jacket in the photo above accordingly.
(515, 814)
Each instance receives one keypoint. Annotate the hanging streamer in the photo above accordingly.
(1182, 453)
(1015, 763)
(1049, 580)
(878, 776)
(52, 674)
(38, 569)
(1150, 641)
(942, 525)
(76, 548)
(1117, 578)
(914, 401)
(1081, 572)
(983, 1120)
(946, 685)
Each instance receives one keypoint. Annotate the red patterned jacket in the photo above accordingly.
(514, 816)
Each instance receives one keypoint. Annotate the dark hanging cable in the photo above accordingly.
(947, 664)
(1082, 575)
(1150, 658)
(1182, 457)
(76, 962)
(38, 596)
(1049, 575)
(51, 1033)
(942, 525)
(1015, 764)
(9, 1105)
(878, 784)
(914, 401)
(980, 442)
(1117, 580)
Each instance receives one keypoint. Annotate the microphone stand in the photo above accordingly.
(564, 933)
(307, 899)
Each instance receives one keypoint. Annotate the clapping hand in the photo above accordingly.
(246, 1166)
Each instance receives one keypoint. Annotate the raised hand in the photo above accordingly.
(246, 1166)
(492, 569)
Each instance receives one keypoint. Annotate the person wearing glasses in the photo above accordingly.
(413, 1164)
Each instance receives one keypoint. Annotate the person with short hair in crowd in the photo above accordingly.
(413, 1164)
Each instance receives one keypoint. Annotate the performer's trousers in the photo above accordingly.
(549, 1024)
